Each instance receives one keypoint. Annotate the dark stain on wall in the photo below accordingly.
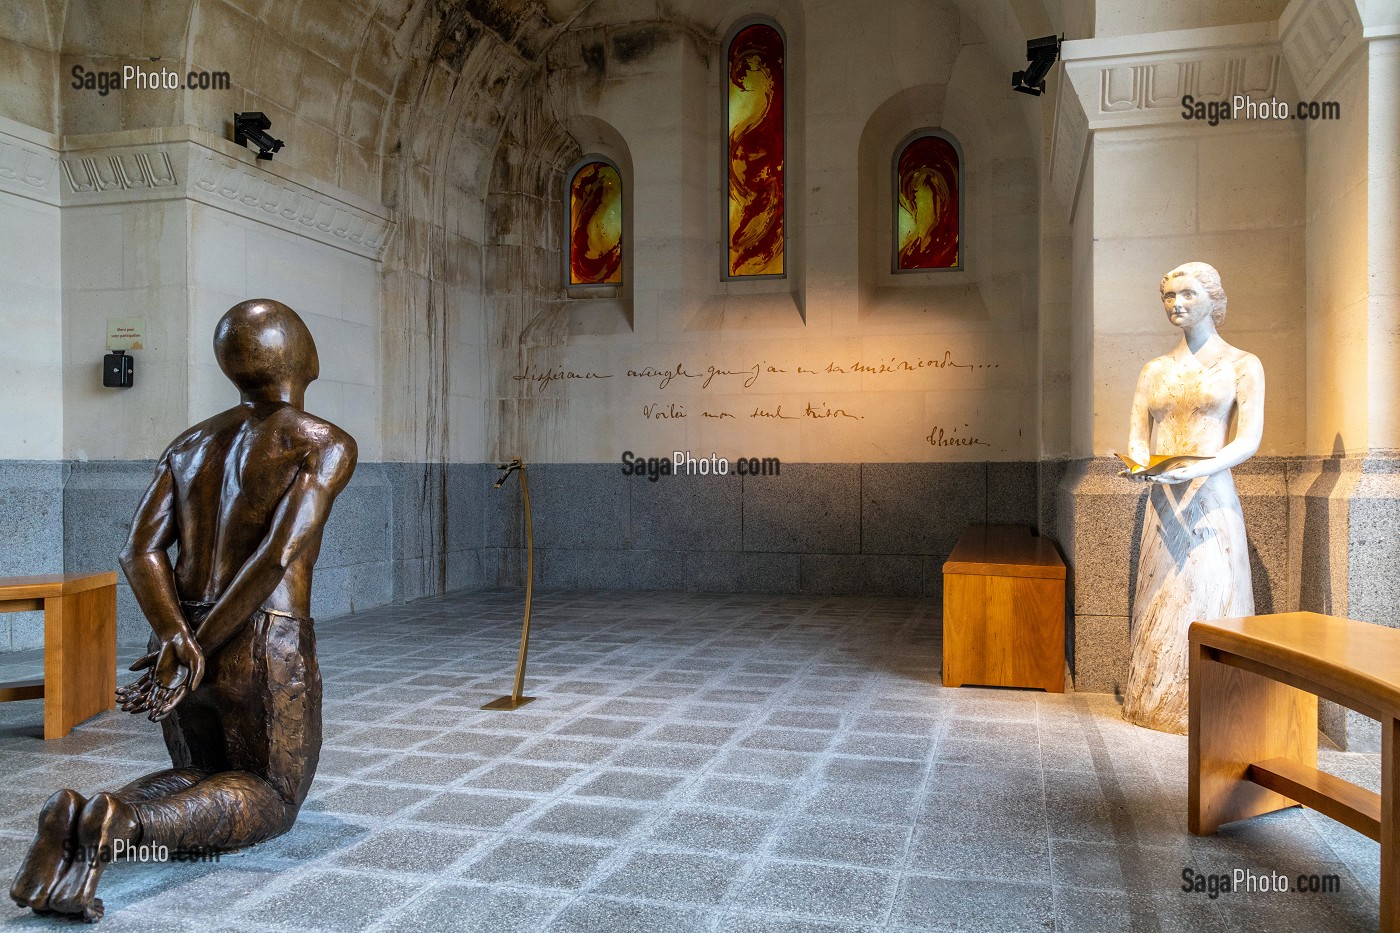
(595, 60)
(631, 45)
(456, 41)
(503, 17)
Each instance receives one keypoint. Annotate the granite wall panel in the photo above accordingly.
(31, 527)
(402, 531)
(1321, 539)
(99, 500)
(873, 574)
(687, 513)
(351, 572)
(814, 528)
(1374, 544)
(809, 508)
(921, 508)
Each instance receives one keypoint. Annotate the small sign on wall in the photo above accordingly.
(126, 333)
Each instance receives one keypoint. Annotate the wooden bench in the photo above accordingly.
(80, 645)
(1004, 610)
(1253, 725)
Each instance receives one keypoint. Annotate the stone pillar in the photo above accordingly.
(1349, 503)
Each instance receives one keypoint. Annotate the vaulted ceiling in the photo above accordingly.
(360, 83)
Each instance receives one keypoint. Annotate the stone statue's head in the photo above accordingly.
(261, 343)
(1204, 273)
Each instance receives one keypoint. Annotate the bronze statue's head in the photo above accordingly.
(262, 344)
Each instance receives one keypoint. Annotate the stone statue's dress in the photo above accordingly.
(1194, 558)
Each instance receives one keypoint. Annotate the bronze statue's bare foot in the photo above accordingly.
(51, 853)
(105, 820)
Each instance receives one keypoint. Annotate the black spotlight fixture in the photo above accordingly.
(252, 127)
(1041, 53)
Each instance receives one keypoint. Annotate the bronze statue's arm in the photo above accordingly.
(146, 559)
(297, 523)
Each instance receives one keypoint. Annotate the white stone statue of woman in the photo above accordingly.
(1194, 561)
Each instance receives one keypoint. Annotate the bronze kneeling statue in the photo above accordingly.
(231, 675)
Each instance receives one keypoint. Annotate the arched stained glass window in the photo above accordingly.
(595, 224)
(927, 205)
(755, 228)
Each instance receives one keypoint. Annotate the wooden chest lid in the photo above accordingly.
(1005, 551)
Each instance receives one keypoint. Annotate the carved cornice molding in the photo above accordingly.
(1318, 36)
(128, 171)
(28, 167)
(1140, 80)
(129, 167)
(226, 183)
(1160, 85)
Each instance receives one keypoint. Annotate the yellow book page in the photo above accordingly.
(1159, 463)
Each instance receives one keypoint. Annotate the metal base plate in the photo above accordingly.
(508, 702)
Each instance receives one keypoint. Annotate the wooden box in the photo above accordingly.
(1004, 610)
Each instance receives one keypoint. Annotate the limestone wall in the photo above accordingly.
(29, 57)
(1336, 274)
(31, 297)
(790, 367)
(175, 232)
(1127, 17)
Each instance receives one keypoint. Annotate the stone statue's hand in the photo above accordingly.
(1184, 474)
(1138, 477)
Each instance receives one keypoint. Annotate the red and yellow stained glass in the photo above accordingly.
(928, 204)
(595, 225)
(755, 127)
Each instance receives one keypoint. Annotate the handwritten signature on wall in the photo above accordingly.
(938, 437)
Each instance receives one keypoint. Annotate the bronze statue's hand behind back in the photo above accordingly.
(171, 674)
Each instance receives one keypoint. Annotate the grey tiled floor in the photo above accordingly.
(723, 763)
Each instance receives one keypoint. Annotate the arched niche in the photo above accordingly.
(998, 204)
(765, 300)
(755, 129)
(595, 309)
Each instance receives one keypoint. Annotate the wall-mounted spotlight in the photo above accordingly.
(252, 127)
(1041, 53)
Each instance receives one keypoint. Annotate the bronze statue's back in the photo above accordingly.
(231, 473)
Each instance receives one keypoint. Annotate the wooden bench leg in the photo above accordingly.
(964, 625)
(1236, 719)
(1390, 831)
(80, 658)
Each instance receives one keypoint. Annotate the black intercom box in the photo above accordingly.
(118, 371)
